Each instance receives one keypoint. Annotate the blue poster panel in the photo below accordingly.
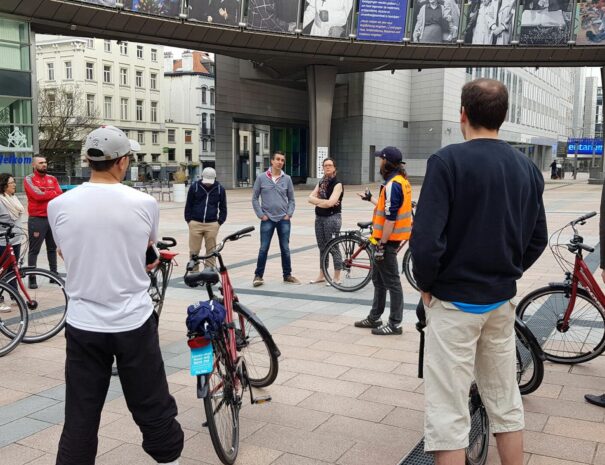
(488, 22)
(223, 12)
(435, 21)
(272, 15)
(590, 23)
(545, 22)
(327, 18)
(381, 20)
(170, 8)
(585, 146)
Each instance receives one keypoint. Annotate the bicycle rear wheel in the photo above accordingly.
(408, 267)
(530, 367)
(252, 343)
(476, 452)
(581, 340)
(158, 285)
(357, 262)
(222, 404)
(13, 319)
(47, 304)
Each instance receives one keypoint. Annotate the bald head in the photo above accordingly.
(485, 102)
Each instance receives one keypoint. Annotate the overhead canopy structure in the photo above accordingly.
(288, 54)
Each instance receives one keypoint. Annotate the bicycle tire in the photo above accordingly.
(407, 267)
(476, 452)
(261, 359)
(47, 307)
(157, 287)
(13, 326)
(222, 398)
(527, 361)
(357, 271)
(543, 324)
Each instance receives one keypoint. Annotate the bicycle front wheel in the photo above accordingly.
(407, 269)
(222, 404)
(252, 340)
(476, 452)
(580, 339)
(352, 263)
(530, 367)
(13, 319)
(47, 303)
(157, 287)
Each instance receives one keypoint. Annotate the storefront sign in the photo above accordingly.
(584, 146)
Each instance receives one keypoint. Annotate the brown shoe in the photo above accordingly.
(291, 280)
(258, 281)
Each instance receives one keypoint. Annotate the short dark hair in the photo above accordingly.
(4, 177)
(278, 152)
(485, 102)
(101, 165)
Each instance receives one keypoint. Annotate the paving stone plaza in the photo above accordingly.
(342, 395)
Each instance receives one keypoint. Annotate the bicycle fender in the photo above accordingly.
(202, 387)
(522, 328)
(241, 308)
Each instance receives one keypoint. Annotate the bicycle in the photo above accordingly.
(159, 276)
(568, 318)
(244, 352)
(44, 297)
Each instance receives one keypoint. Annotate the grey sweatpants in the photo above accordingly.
(325, 229)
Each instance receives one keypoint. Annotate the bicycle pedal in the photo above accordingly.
(261, 400)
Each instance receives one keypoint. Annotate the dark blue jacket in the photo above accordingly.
(206, 204)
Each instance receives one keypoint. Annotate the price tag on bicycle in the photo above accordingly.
(202, 356)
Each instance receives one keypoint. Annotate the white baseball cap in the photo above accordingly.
(208, 176)
(111, 141)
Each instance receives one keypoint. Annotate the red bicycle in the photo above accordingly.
(243, 353)
(568, 318)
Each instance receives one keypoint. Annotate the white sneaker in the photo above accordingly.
(5, 308)
(176, 462)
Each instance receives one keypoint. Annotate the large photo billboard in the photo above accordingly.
(488, 22)
(171, 8)
(223, 12)
(381, 20)
(111, 3)
(327, 18)
(435, 21)
(545, 22)
(590, 23)
(272, 15)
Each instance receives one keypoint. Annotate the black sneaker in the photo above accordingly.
(387, 330)
(33, 284)
(367, 323)
(595, 399)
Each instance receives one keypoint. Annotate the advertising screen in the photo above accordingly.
(381, 20)
(435, 21)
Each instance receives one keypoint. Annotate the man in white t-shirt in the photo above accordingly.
(102, 229)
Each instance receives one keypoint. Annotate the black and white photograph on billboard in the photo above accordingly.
(223, 12)
(545, 22)
(435, 21)
(590, 23)
(328, 18)
(272, 15)
(170, 8)
(488, 22)
(111, 3)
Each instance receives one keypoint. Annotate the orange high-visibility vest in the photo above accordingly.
(403, 223)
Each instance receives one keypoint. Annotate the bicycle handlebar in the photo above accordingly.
(583, 218)
(217, 250)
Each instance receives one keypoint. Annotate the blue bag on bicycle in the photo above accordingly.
(205, 317)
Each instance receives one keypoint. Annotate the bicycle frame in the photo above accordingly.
(8, 262)
(583, 276)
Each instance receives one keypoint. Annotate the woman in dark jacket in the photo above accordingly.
(327, 198)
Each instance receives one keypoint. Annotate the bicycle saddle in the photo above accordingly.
(364, 224)
(208, 276)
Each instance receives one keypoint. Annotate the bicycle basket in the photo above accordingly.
(205, 318)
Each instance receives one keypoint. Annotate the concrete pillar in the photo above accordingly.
(320, 84)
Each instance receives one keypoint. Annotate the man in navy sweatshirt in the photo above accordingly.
(479, 224)
(205, 212)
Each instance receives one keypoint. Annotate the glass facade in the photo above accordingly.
(16, 102)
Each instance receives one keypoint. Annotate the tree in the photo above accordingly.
(65, 117)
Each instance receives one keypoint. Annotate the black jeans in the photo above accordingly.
(141, 369)
(385, 276)
(39, 231)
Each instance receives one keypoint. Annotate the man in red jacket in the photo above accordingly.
(40, 188)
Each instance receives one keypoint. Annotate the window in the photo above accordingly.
(50, 68)
(138, 80)
(188, 137)
(126, 132)
(205, 145)
(211, 96)
(204, 123)
(153, 81)
(171, 155)
(141, 137)
(124, 108)
(108, 45)
(212, 123)
(68, 71)
(70, 102)
(212, 145)
(123, 48)
(107, 108)
(154, 137)
(90, 105)
(140, 157)
(171, 136)
(123, 76)
(204, 91)
(154, 55)
(154, 112)
(155, 157)
(139, 110)
(51, 97)
(90, 71)
(107, 74)
(90, 43)
(140, 52)
(189, 155)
